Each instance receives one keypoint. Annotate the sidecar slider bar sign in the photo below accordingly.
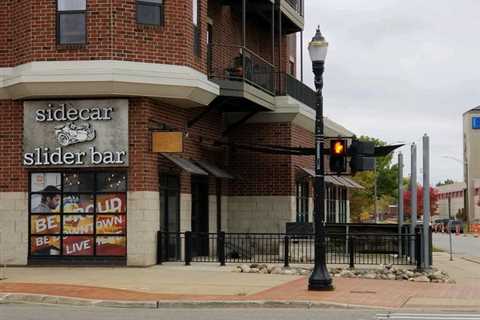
(75, 133)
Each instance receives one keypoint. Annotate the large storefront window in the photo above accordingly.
(81, 214)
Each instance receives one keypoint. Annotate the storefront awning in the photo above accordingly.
(341, 181)
(185, 164)
(214, 170)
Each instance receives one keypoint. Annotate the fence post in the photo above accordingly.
(286, 251)
(188, 247)
(221, 248)
(351, 250)
(418, 249)
(159, 247)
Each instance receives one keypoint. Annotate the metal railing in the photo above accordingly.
(297, 5)
(291, 86)
(348, 249)
(237, 63)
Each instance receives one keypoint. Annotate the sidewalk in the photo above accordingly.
(208, 282)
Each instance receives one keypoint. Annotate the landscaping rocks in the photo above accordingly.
(385, 272)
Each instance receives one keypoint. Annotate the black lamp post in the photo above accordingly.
(320, 278)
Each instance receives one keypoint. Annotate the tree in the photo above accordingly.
(407, 196)
(447, 181)
(362, 201)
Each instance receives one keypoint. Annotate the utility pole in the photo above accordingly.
(400, 202)
(413, 200)
(426, 202)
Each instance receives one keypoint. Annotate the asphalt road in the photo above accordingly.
(44, 312)
(462, 246)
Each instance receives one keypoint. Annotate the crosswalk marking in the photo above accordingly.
(428, 316)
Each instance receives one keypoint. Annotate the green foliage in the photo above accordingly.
(362, 201)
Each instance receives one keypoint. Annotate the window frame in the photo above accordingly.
(197, 29)
(147, 3)
(302, 201)
(61, 234)
(59, 13)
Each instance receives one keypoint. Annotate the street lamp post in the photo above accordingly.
(320, 278)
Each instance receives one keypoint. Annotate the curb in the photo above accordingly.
(24, 298)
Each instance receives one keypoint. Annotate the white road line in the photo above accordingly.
(426, 316)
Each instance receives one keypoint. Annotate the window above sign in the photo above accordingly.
(71, 22)
(150, 12)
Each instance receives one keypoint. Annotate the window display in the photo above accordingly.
(78, 214)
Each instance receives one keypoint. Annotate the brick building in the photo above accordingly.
(84, 85)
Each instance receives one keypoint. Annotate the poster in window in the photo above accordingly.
(78, 224)
(111, 182)
(78, 203)
(45, 224)
(78, 182)
(45, 246)
(111, 224)
(111, 246)
(77, 246)
(111, 203)
(41, 182)
(45, 203)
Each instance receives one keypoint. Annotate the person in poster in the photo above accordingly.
(49, 202)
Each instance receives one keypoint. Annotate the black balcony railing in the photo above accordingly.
(297, 5)
(237, 63)
(288, 85)
(341, 248)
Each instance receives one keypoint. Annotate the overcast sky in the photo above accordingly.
(398, 69)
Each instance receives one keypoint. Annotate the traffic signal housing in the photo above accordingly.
(338, 156)
(362, 156)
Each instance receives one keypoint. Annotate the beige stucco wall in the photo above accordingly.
(260, 214)
(143, 222)
(13, 228)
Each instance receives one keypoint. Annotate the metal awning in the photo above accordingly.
(185, 164)
(341, 181)
(214, 170)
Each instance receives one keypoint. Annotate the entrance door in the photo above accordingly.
(170, 216)
(199, 216)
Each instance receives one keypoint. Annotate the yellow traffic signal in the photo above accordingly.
(338, 156)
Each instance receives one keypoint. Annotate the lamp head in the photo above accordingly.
(318, 47)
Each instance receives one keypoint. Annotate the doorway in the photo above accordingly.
(200, 237)
(170, 216)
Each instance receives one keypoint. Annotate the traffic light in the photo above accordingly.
(338, 156)
(362, 156)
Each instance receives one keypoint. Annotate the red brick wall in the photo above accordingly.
(5, 33)
(145, 166)
(13, 177)
(260, 173)
(30, 27)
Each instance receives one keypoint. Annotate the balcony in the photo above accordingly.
(248, 79)
(293, 15)
(288, 85)
(242, 75)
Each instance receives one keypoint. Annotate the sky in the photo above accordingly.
(396, 70)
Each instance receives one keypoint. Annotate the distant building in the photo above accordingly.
(471, 153)
(450, 199)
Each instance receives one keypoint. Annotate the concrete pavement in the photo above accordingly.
(211, 285)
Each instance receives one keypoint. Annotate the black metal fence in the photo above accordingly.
(291, 86)
(349, 249)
